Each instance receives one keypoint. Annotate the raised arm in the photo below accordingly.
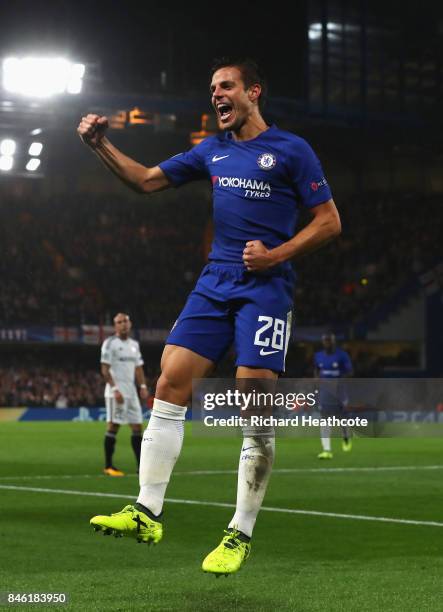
(92, 130)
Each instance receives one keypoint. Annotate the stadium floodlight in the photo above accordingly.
(33, 164)
(35, 149)
(76, 79)
(315, 31)
(42, 77)
(7, 147)
(6, 162)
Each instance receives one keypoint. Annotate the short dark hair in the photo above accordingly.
(251, 74)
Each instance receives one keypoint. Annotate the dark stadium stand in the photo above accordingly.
(74, 259)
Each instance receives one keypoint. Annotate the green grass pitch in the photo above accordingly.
(299, 562)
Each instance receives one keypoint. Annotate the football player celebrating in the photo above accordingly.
(261, 177)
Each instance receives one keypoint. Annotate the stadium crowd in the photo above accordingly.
(74, 260)
(51, 386)
(69, 378)
(386, 241)
(45, 386)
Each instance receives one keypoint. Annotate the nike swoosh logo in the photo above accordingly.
(263, 352)
(249, 447)
(216, 159)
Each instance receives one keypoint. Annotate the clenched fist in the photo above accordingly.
(257, 257)
(92, 128)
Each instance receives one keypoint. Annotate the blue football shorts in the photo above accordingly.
(333, 397)
(231, 305)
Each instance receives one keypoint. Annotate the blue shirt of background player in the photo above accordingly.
(332, 365)
(259, 186)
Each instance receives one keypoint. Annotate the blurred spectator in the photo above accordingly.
(61, 401)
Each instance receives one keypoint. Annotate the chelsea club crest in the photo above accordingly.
(266, 161)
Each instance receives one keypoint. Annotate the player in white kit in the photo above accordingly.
(122, 368)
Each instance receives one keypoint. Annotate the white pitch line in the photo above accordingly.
(52, 476)
(194, 502)
(56, 476)
(332, 470)
(393, 468)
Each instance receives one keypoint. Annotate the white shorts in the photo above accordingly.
(129, 412)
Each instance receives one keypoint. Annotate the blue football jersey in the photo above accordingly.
(332, 365)
(258, 185)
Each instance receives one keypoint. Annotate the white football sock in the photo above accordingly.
(254, 470)
(161, 446)
(325, 436)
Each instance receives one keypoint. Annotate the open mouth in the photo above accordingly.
(225, 111)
